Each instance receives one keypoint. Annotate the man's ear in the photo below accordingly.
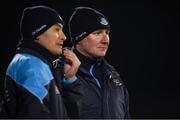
(37, 38)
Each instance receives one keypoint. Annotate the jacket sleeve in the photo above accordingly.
(71, 93)
(127, 113)
(72, 98)
(19, 103)
(3, 113)
(10, 98)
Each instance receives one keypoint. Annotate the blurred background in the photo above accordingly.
(143, 48)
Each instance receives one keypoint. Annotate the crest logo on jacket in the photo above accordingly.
(117, 82)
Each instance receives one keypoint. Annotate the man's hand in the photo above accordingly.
(71, 64)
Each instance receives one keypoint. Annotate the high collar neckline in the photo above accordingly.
(86, 61)
(39, 49)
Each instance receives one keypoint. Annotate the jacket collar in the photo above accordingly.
(31, 45)
(85, 61)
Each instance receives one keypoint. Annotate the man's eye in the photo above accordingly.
(108, 32)
(57, 29)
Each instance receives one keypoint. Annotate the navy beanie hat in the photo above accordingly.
(36, 20)
(84, 21)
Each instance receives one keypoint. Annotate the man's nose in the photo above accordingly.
(105, 37)
(63, 36)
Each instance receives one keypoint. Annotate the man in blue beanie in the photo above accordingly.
(104, 95)
(38, 84)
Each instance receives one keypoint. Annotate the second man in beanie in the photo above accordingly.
(104, 95)
(36, 86)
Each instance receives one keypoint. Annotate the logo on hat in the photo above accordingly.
(39, 29)
(104, 21)
(77, 37)
(60, 17)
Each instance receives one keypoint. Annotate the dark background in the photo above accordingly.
(142, 47)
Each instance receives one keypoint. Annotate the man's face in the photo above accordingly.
(53, 39)
(95, 45)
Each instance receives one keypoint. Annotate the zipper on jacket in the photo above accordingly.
(91, 72)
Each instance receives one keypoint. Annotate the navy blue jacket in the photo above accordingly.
(104, 94)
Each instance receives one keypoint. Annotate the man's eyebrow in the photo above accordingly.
(59, 24)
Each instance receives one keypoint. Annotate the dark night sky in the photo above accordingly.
(142, 40)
